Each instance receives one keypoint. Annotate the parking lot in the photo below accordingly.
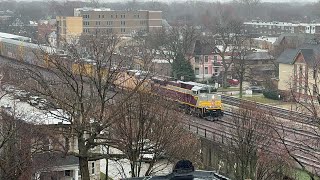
(24, 96)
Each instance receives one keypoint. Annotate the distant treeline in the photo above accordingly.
(189, 12)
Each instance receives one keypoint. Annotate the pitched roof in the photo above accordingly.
(204, 48)
(259, 56)
(287, 56)
(308, 55)
(296, 38)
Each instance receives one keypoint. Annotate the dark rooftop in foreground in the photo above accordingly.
(184, 170)
(195, 175)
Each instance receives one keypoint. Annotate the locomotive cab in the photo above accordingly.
(208, 102)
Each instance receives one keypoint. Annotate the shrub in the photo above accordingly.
(271, 94)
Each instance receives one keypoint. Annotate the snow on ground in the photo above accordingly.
(121, 168)
(25, 111)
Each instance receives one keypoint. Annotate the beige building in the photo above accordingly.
(299, 71)
(69, 28)
(105, 20)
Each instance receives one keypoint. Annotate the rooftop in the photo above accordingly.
(103, 9)
(276, 23)
(30, 114)
(195, 175)
(267, 39)
(14, 37)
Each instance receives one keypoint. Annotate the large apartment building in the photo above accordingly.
(68, 29)
(276, 28)
(121, 22)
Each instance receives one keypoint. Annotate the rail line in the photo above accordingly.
(218, 135)
(278, 112)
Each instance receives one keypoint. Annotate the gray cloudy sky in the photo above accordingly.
(296, 1)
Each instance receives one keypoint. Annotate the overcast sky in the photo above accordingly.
(296, 1)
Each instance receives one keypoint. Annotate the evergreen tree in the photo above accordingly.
(182, 69)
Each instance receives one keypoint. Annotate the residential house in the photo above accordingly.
(264, 42)
(205, 61)
(259, 65)
(45, 28)
(49, 143)
(299, 69)
(291, 40)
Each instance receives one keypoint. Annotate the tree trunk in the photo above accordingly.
(224, 80)
(83, 159)
(84, 169)
(241, 91)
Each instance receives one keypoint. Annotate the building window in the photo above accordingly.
(99, 16)
(67, 173)
(300, 71)
(215, 58)
(196, 71)
(111, 16)
(123, 30)
(123, 23)
(92, 168)
(206, 70)
(314, 73)
(206, 58)
(216, 71)
(98, 23)
(109, 23)
(197, 59)
(102, 16)
(122, 16)
(86, 16)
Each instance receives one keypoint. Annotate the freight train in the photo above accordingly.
(195, 98)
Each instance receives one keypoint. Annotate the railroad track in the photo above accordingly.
(273, 110)
(210, 131)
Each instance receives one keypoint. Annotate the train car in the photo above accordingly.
(25, 52)
(195, 98)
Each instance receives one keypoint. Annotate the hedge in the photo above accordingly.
(271, 94)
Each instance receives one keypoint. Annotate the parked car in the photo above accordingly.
(233, 82)
(8, 88)
(21, 94)
(42, 104)
(256, 89)
(34, 100)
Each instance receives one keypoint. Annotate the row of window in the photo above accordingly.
(122, 16)
(98, 23)
(206, 59)
(123, 30)
(206, 70)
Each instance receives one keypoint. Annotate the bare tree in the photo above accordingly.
(151, 126)
(80, 84)
(225, 29)
(251, 149)
(21, 139)
(249, 6)
(171, 44)
(304, 91)
(239, 58)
